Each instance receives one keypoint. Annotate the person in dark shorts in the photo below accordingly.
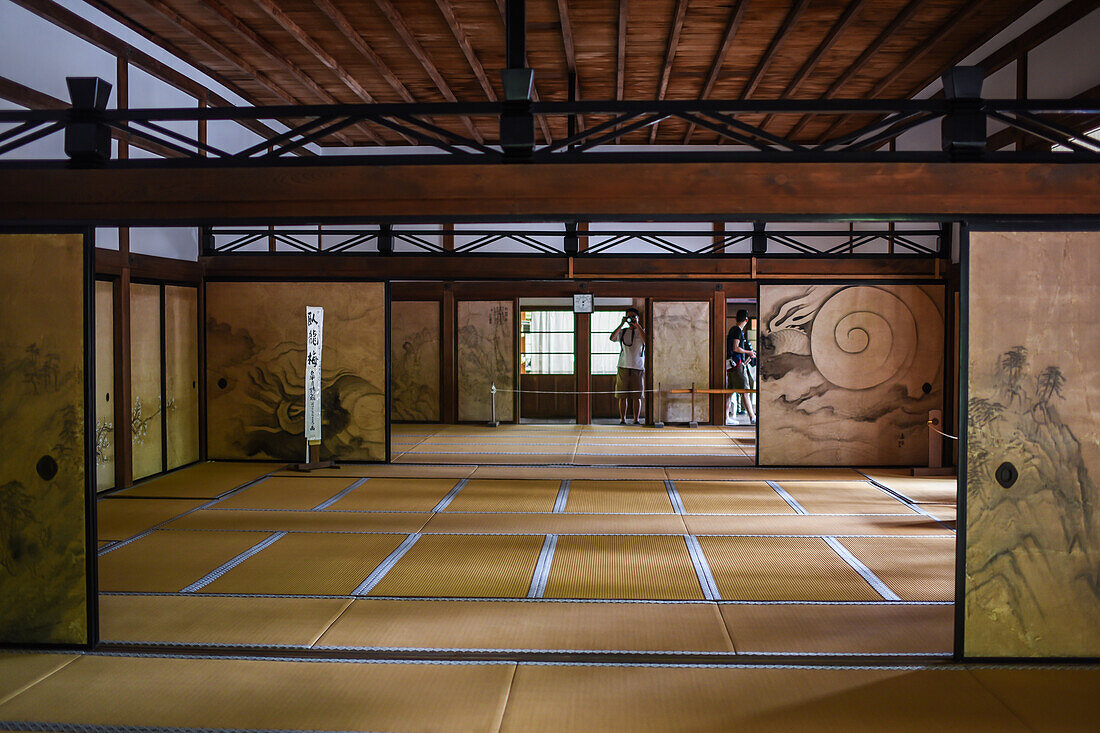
(631, 375)
(738, 376)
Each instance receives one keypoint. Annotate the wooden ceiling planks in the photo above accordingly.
(440, 50)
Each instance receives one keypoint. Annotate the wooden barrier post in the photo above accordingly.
(694, 423)
(657, 421)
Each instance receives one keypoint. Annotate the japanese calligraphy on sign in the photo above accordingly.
(315, 318)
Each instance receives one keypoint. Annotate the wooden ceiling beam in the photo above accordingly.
(807, 68)
(421, 55)
(352, 36)
(101, 39)
(620, 53)
(769, 54)
(856, 66)
(211, 44)
(958, 18)
(737, 12)
(557, 191)
(570, 52)
(463, 41)
(670, 57)
(230, 20)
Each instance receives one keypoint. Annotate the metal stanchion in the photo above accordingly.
(494, 423)
(694, 423)
(657, 421)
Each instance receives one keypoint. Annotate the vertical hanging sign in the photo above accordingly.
(315, 321)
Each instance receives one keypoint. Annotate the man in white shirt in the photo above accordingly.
(630, 378)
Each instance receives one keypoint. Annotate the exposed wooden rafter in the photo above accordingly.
(463, 41)
(856, 66)
(229, 19)
(737, 12)
(958, 18)
(85, 30)
(570, 52)
(670, 56)
(414, 47)
(807, 68)
(352, 36)
(620, 52)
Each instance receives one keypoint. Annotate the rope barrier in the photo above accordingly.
(537, 391)
(934, 428)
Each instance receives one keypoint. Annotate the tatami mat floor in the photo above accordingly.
(548, 558)
(287, 571)
(124, 693)
(581, 445)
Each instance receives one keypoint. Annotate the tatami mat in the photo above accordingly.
(294, 494)
(19, 670)
(169, 561)
(1049, 700)
(396, 494)
(464, 566)
(121, 519)
(202, 481)
(782, 568)
(816, 524)
(506, 495)
(920, 489)
(917, 569)
(500, 459)
(547, 698)
(216, 620)
(865, 628)
(843, 497)
(518, 625)
(588, 496)
(387, 470)
(309, 564)
(555, 523)
(569, 472)
(652, 567)
(763, 474)
(326, 521)
(267, 695)
(731, 497)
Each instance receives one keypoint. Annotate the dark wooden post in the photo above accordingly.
(718, 355)
(582, 366)
(448, 394)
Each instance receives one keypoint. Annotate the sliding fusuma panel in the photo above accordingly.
(43, 566)
(849, 373)
(256, 360)
(1032, 453)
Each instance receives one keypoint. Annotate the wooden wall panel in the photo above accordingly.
(104, 384)
(679, 338)
(485, 357)
(1033, 545)
(145, 380)
(43, 590)
(414, 365)
(181, 360)
(848, 373)
(255, 341)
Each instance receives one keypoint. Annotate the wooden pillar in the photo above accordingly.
(124, 448)
(650, 382)
(582, 366)
(448, 365)
(202, 369)
(449, 237)
(718, 355)
(516, 356)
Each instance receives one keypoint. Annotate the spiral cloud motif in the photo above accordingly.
(865, 336)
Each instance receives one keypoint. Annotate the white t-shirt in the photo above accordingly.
(632, 355)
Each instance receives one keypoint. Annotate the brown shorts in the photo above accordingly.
(628, 383)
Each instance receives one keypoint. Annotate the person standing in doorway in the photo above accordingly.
(738, 376)
(631, 374)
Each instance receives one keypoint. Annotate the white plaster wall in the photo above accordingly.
(179, 243)
(1068, 64)
(40, 55)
